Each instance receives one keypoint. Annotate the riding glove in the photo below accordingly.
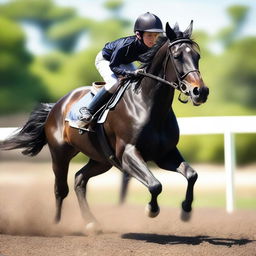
(135, 73)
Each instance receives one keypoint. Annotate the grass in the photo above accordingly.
(244, 198)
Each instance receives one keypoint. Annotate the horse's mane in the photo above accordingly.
(146, 60)
(147, 57)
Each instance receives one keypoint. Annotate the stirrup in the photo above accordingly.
(85, 118)
(86, 115)
(83, 123)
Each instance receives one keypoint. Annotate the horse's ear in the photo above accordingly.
(170, 32)
(188, 32)
(176, 27)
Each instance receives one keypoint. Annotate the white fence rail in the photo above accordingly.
(226, 125)
(6, 131)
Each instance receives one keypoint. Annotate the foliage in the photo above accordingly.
(205, 148)
(109, 30)
(239, 76)
(238, 15)
(42, 12)
(19, 88)
(66, 33)
(113, 4)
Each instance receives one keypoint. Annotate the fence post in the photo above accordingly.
(229, 152)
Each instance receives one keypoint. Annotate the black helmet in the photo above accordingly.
(148, 22)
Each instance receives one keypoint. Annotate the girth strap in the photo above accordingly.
(105, 146)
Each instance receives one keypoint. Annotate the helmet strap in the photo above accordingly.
(139, 35)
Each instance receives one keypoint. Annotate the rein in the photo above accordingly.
(172, 84)
(181, 85)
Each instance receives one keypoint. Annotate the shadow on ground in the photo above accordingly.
(193, 240)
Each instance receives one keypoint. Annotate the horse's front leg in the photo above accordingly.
(173, 161)
(133, 164)
(191, 175)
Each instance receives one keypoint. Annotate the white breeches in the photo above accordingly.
(107, 74)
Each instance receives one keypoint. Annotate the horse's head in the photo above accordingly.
(184, 56)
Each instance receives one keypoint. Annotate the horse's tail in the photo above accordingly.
(31, 137)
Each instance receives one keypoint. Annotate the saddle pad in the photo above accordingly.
(74, 113)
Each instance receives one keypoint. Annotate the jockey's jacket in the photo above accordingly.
(123, 51)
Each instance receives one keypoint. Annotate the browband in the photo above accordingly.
(183, 40)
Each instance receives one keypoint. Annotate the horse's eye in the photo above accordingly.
(177, 55)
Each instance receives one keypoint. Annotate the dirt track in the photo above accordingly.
(27, 209)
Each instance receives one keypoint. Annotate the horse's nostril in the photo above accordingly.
(196, 91)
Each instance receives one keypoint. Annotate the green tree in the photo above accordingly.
(238, 15)
(19, 89)
(66, 33)
(60, 25)
(42, 12)
(239, 76)
(114, 6)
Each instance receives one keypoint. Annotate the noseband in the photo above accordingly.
(181, 84)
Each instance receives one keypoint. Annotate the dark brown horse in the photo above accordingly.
(141, 128)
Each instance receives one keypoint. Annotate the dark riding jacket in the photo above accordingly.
(123, 51)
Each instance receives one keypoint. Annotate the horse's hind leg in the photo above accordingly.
(91, 169)
(60, 166)
(175, 162)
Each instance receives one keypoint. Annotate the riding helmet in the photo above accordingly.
(148, 22)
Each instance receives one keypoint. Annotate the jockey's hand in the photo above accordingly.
(130, 73)
(138, 71)
(135, 73)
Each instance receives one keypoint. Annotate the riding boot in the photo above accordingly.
(98, 100)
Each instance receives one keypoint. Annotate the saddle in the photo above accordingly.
(101, 115)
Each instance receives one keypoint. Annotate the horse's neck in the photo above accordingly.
(158, 96)
(152, 100)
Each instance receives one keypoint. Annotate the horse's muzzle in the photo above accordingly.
(199, 95)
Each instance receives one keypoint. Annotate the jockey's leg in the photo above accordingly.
(98, 101)
(104, 94)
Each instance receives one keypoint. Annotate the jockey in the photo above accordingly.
(114, 61)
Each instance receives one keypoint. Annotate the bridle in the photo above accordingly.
(181, 84)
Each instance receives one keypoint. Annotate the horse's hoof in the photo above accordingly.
(57, 220)
(93, 228)
(149, 212)
(185, 216)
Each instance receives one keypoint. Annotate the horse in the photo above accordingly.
(142, 127)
